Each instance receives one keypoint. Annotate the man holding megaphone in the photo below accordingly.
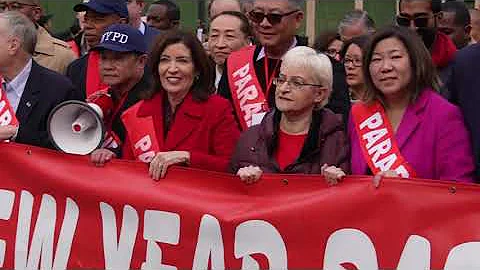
(123, 55)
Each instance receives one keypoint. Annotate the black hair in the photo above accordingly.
(173, 10)
(244, 27)
(462, 16)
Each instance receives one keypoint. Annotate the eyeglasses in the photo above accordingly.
(13, 5)
(272, 18)
(352, 62)
(292, 84)
(419, 21)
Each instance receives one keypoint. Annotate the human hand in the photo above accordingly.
(162, 160)
(101, 156)
(379, 176)
(7, 132)
(250, 174)
(332, 174)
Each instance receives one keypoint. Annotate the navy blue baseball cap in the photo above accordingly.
(122, 38)
(118, 7)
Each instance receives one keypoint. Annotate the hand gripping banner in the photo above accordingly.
(59, 211)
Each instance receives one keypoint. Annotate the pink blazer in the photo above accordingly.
(432, 137)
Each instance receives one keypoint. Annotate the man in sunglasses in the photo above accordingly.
(247, 80)
(421, 16)
(50, 52)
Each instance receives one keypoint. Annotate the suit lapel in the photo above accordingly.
(154, 108)
(187, 119)
(30, 96)
(411, 119)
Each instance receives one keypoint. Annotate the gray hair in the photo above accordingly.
(21, 27)
(355, 17)
(319, 64)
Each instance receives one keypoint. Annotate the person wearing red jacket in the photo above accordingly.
(180, 122)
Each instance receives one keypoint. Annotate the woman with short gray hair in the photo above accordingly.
(299, 135)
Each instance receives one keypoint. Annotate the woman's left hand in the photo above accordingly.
(162, 160)
(379, 176)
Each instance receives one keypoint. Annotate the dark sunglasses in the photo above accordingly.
(13, 5)
(420, 21)
(272, 18)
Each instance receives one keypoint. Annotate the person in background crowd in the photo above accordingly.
(218, 6)
(300, 135)
(135, 12)
(122, 65)
(329, 43)
(352, 58)
(475, 24)
(180, 122)
(229, 32)
(247, 6)
(163, 15)
(355, 23)
(45, 21)
(275, 24)
(463, 85)
(403, 127)
(100, 14)
(421, 16)
(455, 23)
(50, 52)
(30, 90)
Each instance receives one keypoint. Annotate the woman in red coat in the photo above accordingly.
(180, 121)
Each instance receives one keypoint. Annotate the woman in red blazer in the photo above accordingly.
(180, 121)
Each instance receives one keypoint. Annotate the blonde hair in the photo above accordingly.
(319, 64)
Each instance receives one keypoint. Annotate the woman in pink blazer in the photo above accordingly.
(403, 127)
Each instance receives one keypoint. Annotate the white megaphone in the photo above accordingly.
(76, 127)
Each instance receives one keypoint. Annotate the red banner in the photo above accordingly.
(61, 211)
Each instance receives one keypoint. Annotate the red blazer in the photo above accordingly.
(207, 130)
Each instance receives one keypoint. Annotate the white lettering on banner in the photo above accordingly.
(7, 198)
(242, 72)
(41, 249)
(258, 236)
(163, 227)
(144, 144)
(118, 254)
(345, 245)
(209, 245)
(350, 246)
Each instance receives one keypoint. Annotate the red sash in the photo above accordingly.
(74, 47)
(141, 133)
(377, 140)
(247, 94)
(93, 82)
(7, 114)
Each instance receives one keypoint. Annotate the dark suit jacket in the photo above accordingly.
(150, 34)
(44, 90)
(463, 85)
(77, 73)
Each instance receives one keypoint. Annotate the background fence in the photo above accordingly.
(327, 13)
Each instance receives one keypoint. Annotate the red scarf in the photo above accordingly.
(443, 50)
(94, 83)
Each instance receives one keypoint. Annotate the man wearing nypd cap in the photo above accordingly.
(99, 14)
(123, 55)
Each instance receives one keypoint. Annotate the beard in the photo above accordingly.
(428, 35)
